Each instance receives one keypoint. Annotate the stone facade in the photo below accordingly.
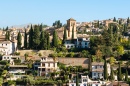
(71, 23)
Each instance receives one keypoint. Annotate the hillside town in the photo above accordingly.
(95, 53)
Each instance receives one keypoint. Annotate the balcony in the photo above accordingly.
(16, 71)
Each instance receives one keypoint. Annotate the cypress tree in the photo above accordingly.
(112, 74)
(42, 40)
(55, 39)
(6, 36)
(119, 73)
(73, 33)
(114, 20)
(31, 38)
(36, 37)
(98, 24)
(19, 37)
(6, 28)
(128, 20)
(40, 27)
(77, 79)
(25, 39)
(126, 76)
(105, 70)
(64, 36)
(48, 41)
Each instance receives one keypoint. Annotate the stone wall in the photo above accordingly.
(75, 61)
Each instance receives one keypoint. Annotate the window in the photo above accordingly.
(85, 85)
(84, 80)
(4, 57)
(68, 46)
(95, 67)
(43, 69)
(2, 44)
(7, 57)
(72, 84)
(43, 64)
(85, 43)
(94, 74)
(6, 44)
(100, 66)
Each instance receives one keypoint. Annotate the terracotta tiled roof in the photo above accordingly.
(5, 42)
(72, 19)
(97, 63)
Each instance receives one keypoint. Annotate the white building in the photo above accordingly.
(80, 42)
(83, 42)
(45, 66)
(85, 81)
(17, 71)
(98, 70)
(7, 47)
(10, 58)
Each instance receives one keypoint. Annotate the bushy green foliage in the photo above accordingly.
(17, 61)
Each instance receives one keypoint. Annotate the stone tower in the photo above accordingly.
(71, 23)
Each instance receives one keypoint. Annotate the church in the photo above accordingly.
(77, 41)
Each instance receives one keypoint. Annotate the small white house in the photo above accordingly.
(45, 66)
(7, 47)
(98, 70)
(10, 58)
(80, 42)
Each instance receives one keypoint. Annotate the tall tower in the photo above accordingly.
(71, 23)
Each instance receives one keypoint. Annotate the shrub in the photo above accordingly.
(16, 53)
(17, 61)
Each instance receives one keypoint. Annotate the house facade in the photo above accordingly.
(85, 81)
(17, 71)
(80, 42)
(98, 70)
(45, 66)
(7, 47)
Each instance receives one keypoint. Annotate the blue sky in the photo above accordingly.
(18, 12)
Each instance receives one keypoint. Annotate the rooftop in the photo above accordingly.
(97, 63)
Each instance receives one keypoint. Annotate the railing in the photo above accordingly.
(16, 71)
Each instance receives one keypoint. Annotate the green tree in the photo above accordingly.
(55, 39)
(84, 53)
(64, 36)
(25, 40)
(77, 79)
(42, 40)
(57, 24)
(114, 20)
(36, 37)
(31, 38)
(19, 38)
(105, 70)
(120, 50)
(119, 73)
(126, 76)
(48, 41)
(128, 20)
(112, 74)
(6, 36)
(72, 34)
(6, 28)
